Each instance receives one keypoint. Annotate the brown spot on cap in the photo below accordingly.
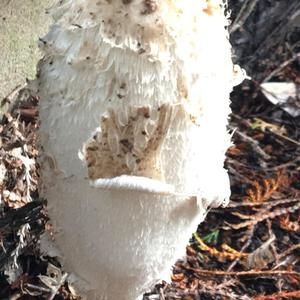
(150, 7)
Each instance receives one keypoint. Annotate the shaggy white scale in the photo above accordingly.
(134, 107)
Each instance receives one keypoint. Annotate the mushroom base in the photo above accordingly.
(120, 242)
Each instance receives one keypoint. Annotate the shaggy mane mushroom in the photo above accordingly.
(134, 107)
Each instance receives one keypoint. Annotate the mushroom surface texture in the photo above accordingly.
(134, 108)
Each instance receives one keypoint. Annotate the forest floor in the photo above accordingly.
(248, 250)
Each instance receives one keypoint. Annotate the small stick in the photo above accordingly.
(281, 67)
(255, 219)
(286, 138)
(288, 251)
(253, 204)
(254, 144)
(250, 234)
(36, 288)
(243, 15)
(285, 165)
(242, 273)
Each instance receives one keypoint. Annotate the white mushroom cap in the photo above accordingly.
(142, 88)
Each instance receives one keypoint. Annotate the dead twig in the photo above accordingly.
(243, 15)
(254, 204)
(227, 253)
(285, 165)
(260, 217)
(288, 251)
(281, 67)
(286, 137)
(243, 273)
(249, 236)
(29, 288)
(255, 146)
